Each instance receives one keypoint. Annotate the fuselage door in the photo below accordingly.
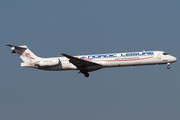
(159, 56)
(165, 56)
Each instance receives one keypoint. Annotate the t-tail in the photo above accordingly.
(25, 54)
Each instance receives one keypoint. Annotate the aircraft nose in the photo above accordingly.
(174, 59)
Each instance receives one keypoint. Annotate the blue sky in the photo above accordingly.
(89, 27)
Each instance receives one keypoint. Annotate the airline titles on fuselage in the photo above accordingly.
(123, 55)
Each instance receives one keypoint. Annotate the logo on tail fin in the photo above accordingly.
(25, 54)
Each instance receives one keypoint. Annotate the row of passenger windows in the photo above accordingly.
(118, 57)
(64, 60)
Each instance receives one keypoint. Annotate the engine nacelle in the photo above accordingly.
(47, 63)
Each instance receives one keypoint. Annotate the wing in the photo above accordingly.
(79, 63)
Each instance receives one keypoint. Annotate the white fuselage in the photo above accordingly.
(110, 60)
(88, 63)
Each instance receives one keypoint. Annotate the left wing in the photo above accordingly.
(79, 63)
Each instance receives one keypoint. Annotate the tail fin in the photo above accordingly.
(23, 51)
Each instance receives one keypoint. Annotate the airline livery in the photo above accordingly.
(88, 63)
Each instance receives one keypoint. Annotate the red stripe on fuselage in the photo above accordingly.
(125, 60)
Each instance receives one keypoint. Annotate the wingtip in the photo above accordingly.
(62, 54)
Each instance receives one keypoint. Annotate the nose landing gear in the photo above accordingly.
(168, 66)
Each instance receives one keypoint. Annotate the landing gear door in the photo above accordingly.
(159, 56)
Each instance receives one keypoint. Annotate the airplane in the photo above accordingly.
(89, 63)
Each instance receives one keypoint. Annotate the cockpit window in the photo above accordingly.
(165, 53)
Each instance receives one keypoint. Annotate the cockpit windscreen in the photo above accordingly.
(165, 53)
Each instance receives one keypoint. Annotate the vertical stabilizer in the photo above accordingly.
(25, 54)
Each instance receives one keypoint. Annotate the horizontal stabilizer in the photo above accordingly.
(15, 46)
